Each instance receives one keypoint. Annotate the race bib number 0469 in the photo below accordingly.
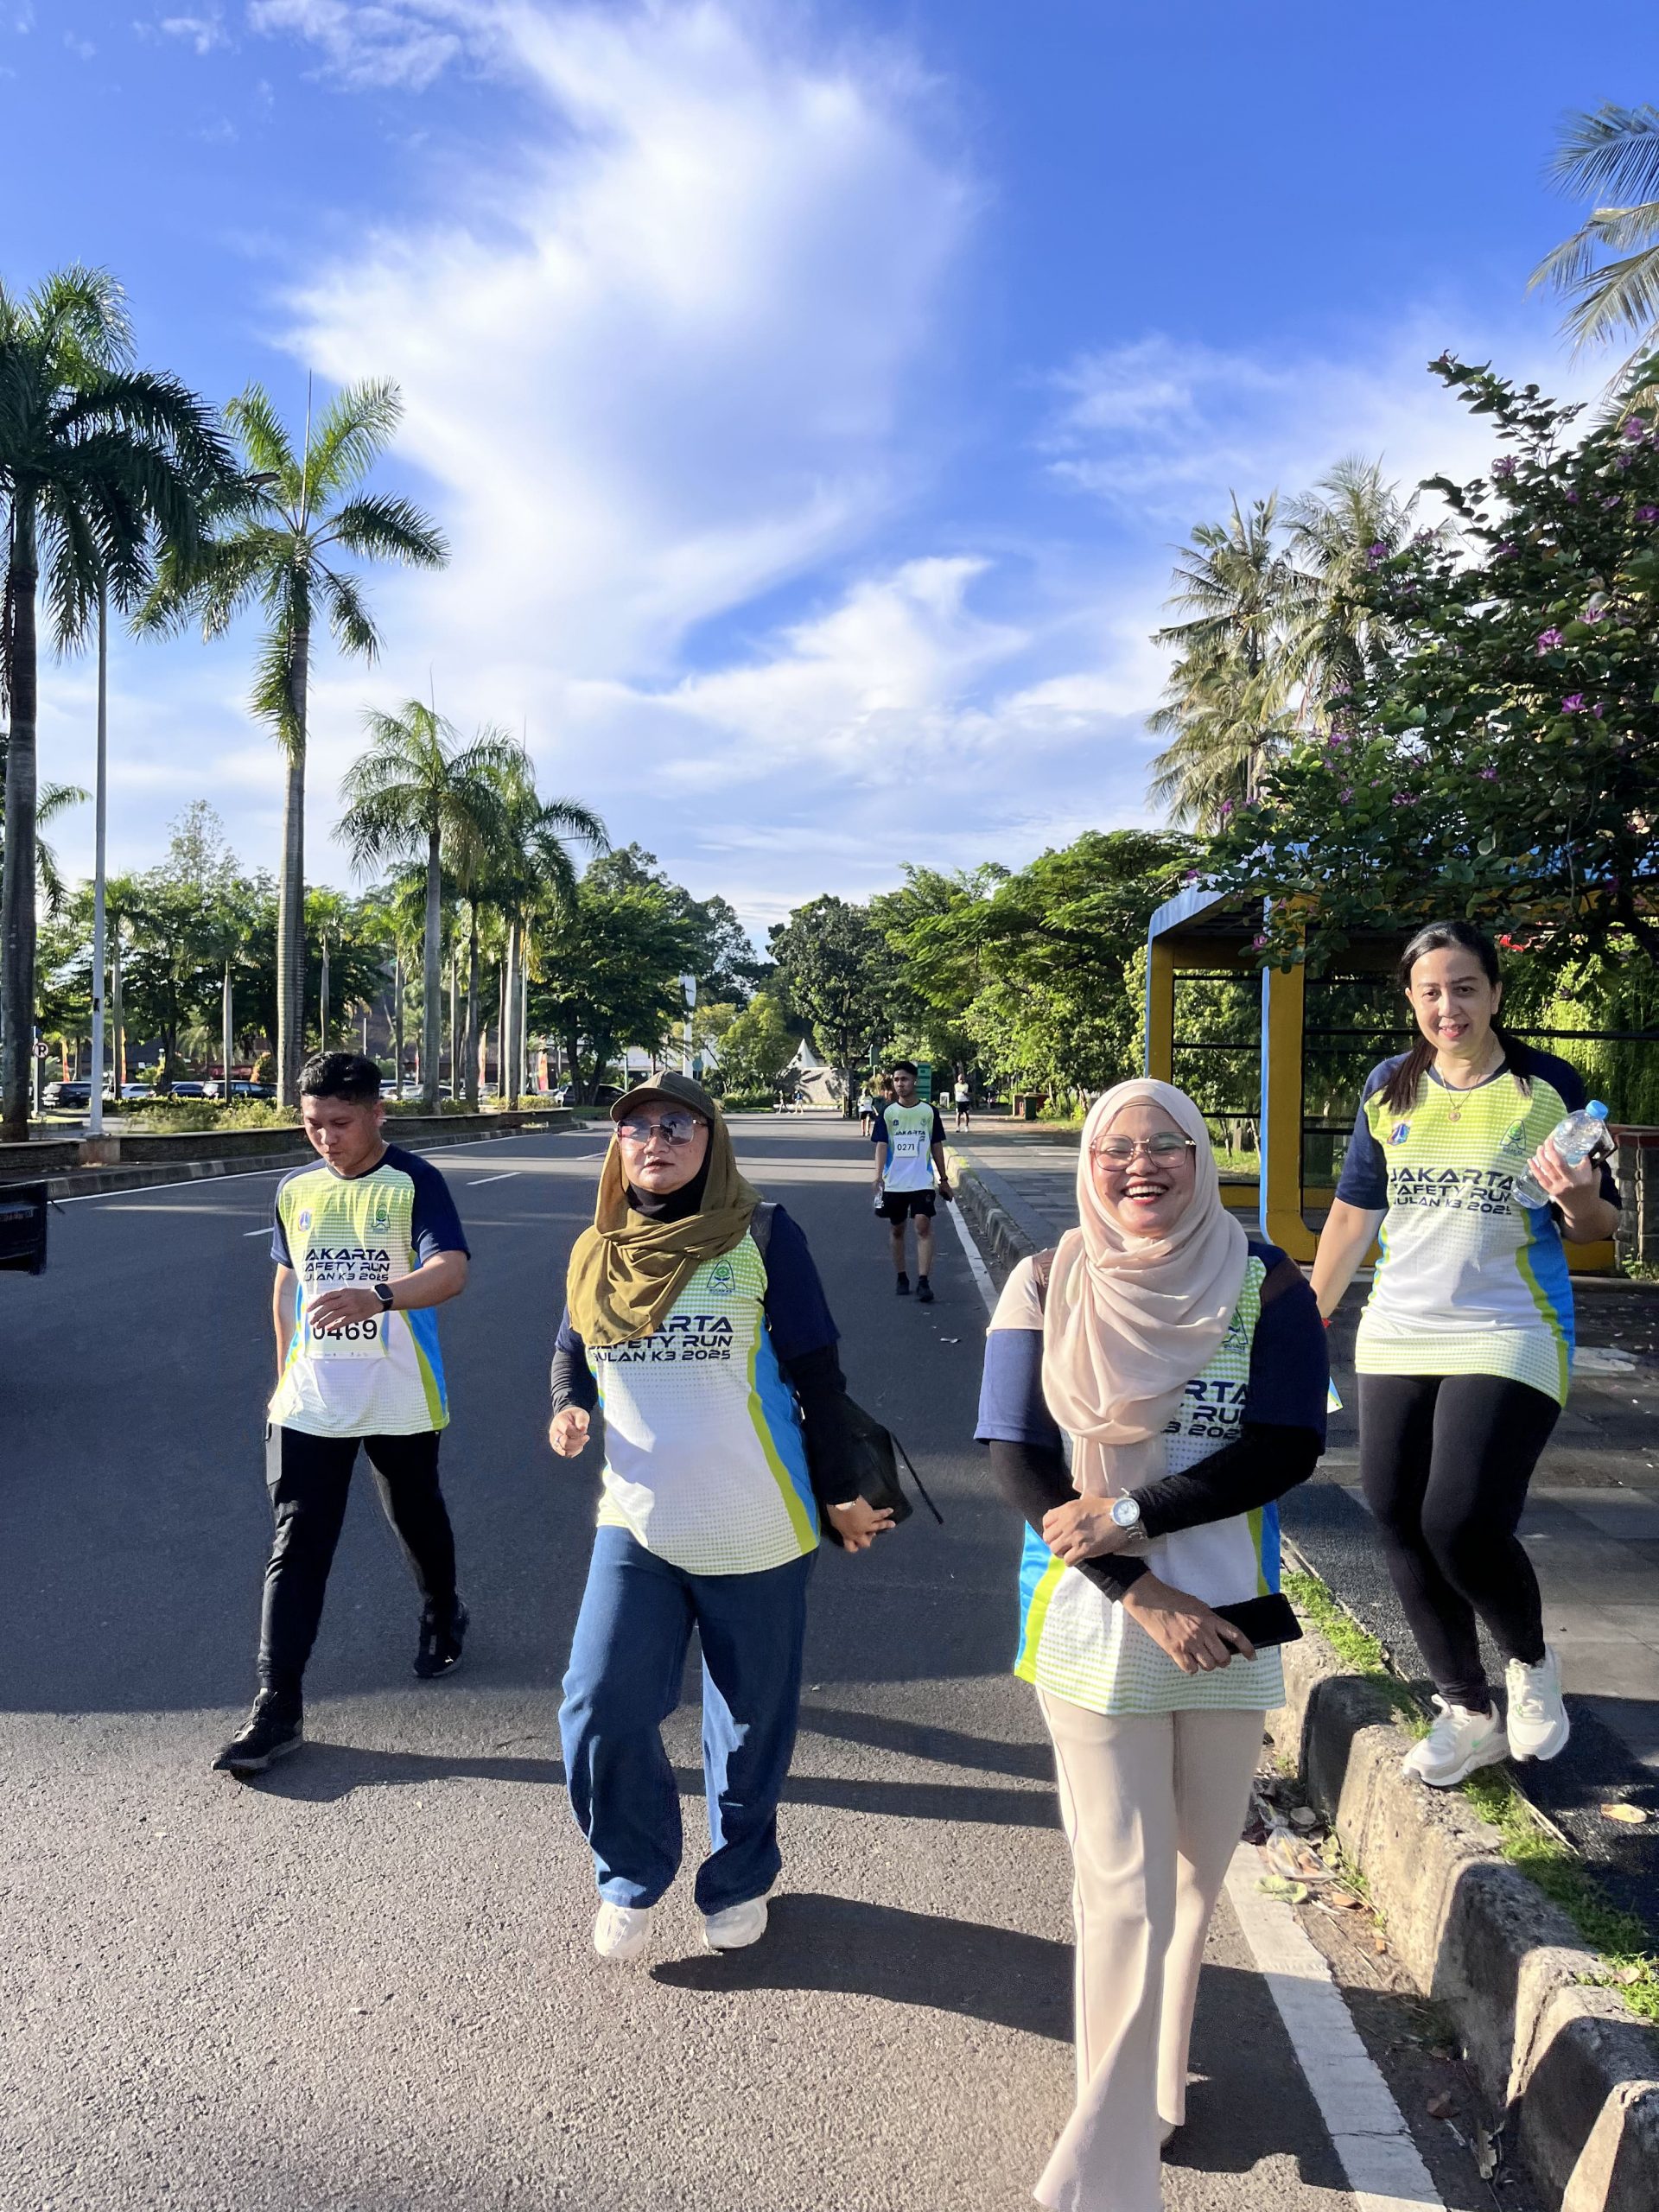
(347, 1340)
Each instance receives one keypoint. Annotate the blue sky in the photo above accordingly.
(812, 395)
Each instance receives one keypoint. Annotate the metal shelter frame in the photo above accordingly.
(1207, 931)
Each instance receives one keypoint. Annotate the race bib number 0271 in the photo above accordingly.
(347, 1340)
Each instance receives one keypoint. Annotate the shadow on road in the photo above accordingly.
(323, 1773)
(925, 1741)
(815, 1941)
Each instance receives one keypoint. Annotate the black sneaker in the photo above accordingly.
(924, 1291)
(271, 1730)
(903, 1285)
(440, 1643)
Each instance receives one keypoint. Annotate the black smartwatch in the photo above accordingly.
(383, 1292)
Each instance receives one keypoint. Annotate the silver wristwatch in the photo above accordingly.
(1126, 1512)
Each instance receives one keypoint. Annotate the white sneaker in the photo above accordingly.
(1459, 1742)
(736, 1927)
(1538, 1726)
(621, 1931)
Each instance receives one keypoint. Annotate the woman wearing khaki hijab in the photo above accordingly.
(697, 1323)
(1182, 1365)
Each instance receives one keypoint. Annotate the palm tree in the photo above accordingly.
(419, 792)
(1353, 517)
(224, 938)
(530, 874)
(1612, 150)
(1227, 698)
(281, 544)
(100, 464)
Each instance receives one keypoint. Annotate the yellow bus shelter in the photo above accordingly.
(1203, 932)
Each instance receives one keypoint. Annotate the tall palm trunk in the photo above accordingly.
(471, 1004)
(511, 1050)
(455, 1016)
(501, 1025)
(290, 894)
(118, 1031)
(227, 1029)
(397, 1019)
(17, 893)
(432, 976)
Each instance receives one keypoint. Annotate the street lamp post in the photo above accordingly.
(95, 1097)
(689, 986)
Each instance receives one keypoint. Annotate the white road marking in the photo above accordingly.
(262, 1231)
(986, 1288)
(1384, 2167)
(478, 1181)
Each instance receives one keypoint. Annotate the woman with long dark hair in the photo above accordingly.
(1464, 1351)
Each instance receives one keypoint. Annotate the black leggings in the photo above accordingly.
(308, 1478)
(1445, 1461)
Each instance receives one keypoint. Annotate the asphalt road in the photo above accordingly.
(366, 1983)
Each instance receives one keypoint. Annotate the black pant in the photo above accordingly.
(1445, 1461)
(308, 1478)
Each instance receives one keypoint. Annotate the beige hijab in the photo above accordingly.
(1128, 1321)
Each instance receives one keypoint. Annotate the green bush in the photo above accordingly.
(192, 1116)
(747, 1102)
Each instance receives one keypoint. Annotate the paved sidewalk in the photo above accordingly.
(1592, 1527)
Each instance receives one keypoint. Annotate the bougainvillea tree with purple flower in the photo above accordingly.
(1502, 760)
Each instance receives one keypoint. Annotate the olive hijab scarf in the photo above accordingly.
(626, 1271)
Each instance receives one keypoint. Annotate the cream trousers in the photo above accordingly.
(1152, 1804)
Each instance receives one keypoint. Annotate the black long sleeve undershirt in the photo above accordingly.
(1262, 1463)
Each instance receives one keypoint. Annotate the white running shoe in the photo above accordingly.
(736, 1927)
(1539, 1726)
(621, 1931)
(1459, 1742)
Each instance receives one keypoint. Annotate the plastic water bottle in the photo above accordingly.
(1575, 1139)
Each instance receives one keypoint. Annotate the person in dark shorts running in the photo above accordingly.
(909, 1140)
(366, 1244)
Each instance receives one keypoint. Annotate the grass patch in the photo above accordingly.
(1626, 1961)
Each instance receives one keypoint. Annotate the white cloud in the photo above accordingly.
(404, 44)
(203, 33)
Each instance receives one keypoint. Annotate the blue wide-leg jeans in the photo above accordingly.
(626, 1660)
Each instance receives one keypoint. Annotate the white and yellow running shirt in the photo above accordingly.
(379, 1377)
(1470, 1281)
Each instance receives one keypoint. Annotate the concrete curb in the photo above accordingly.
(1572, 2076)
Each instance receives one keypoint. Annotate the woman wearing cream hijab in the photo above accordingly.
(1182, 1366)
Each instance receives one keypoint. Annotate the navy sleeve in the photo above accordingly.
(1364, 1181)
(572, 1380)
(1011, 1408)
(937, 1136)
(437, 1226)
(279, 1251)
(1290, 1363)
(879, 1130)
(798, 1314)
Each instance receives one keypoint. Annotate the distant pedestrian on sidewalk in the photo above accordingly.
(697, 1321)
(963, 1096)
(910, 1166)
(866, 1110)
(1465, 1345)
(1186, 1364)
(366, 1244)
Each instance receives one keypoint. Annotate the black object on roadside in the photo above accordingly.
(23, 1227)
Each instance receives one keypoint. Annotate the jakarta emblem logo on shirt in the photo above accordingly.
(722, 1278)
(1399, 1132)
(305, 1218)
(381, 1224)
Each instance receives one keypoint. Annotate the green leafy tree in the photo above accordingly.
(419, 794)
(757, 1050)
(289, 541)
(611, 965)
(100, 463)
(719, 954)
(840, 975)
(1498, 760)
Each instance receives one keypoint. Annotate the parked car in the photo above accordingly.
(607, 1094)
(130, 1090)
(62, 1094)
(191, 1091)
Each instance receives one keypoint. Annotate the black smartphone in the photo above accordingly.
(1266, 1621)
